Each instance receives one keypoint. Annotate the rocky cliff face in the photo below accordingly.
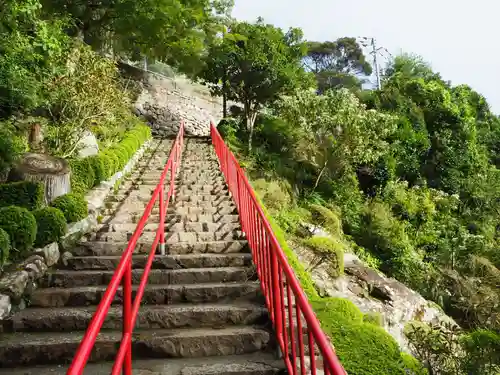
(165, 102)
(372, 291)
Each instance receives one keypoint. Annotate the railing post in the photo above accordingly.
(277, 290)
(161, 200)
(127, 317)
(173, 171)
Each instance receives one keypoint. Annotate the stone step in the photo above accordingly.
(51, 347)
(218, 198)
(68, 319)
(153, 294)
(185, 210)
(110, 262)
(152, 226)
(131, 217)
(170, 237)
(71, 279)
(227, 203)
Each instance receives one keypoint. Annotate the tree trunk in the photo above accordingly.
(250, 116)
(53, 172)
(224, 105)
(319, 177)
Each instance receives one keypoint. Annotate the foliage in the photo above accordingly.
(337, 63)
(11, 148)
(327, 219)
(20, 225)
(31, 53)
(363, 348)
(51, 225)
(375, 318)
(73, 206)
(253, 64)
(444, 349)
(327, 249)
(273, 193)
(91, 171)
(27, 194)
(4, 247)
(84, 98)
(172, 31)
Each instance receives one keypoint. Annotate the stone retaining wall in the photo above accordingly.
(15, 285)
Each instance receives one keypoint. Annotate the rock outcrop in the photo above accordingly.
(373, 292)
(164, 105)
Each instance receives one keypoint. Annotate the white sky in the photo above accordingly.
(460, 38)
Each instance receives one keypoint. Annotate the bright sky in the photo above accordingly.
(460, 38)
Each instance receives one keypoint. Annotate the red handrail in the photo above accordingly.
(277, 278)
(123, 274)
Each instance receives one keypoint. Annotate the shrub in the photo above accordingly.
(4, 246)
(411, 366)
(26, 194)
(273, 193)
(51, 225)
(20, 225)
(98, 164)
(11, 148)
(363, 349)
(327, 249)
(73, 206)
(326, 218)
(82, 175)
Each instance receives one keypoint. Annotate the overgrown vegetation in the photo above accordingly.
(405, 177)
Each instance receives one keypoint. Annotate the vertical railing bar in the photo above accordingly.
(312, 352)
(291, 326)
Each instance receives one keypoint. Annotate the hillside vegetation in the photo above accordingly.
(406, 177)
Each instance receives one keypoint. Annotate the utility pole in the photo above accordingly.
(374, 52)
(371, 42)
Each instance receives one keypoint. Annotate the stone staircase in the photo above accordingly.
(202, 311)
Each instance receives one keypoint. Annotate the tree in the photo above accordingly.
(337, 64)
(173, 31)
(338, 131)
(253, 64)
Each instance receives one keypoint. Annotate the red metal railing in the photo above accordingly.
(123, 275)
(297, 329)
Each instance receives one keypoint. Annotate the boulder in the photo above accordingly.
(50, 253)
(87, 145)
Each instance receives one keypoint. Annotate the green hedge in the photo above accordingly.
(26, 194)
(89, 172)
(73, 206)
(20, 225)
(4, 247)
(51, 225)
(363, 348)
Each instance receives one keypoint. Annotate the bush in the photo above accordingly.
(273, 193)
(327, 219)
(11, 148)
(363, 349)
(327, 249)
(98, 164)
(51, 225)
(20, 225)
(82, 175)
(73, 206)
(26, 194)
(4, 246)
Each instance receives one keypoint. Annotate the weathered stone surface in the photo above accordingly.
(29, 349)
(150, 317)
(35, 266)
(164, 109)
(14, 283)
(372, 291)
(154, 294)
(87, 145)
(50, 253)
(77, 230)
(5, 306)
